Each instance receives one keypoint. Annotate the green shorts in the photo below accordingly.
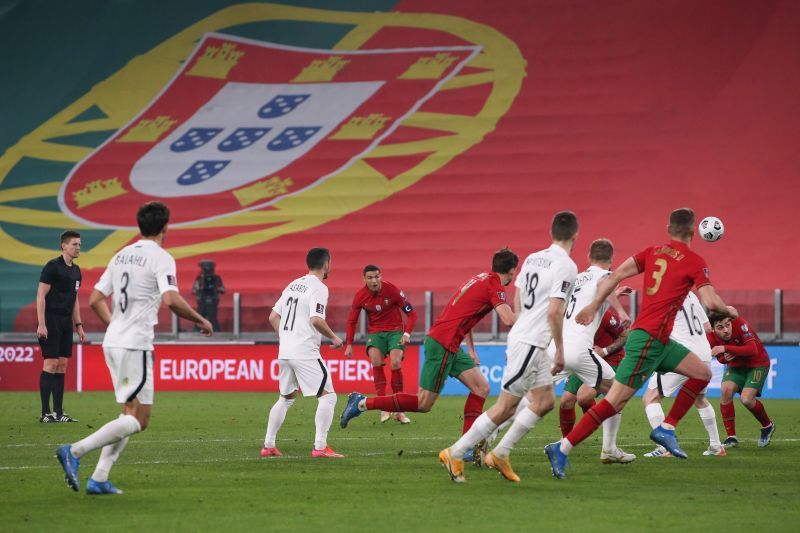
(644, 354)
(386, 341)
(439, 363)
(574, 382)
(747, 378)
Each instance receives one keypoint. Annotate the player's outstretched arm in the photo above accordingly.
(712, 301)
(323, 327)
(626, 270)
(178, 305)
(507, 316)
(97, 301)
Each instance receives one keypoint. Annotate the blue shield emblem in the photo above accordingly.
(194, 138)
(201, 171)
(281, 105)
(292, 138)
(242, 138)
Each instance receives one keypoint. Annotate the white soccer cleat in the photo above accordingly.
(402, 418)
(385, 415)
(718, 451)
(660, 451)
(616, 456)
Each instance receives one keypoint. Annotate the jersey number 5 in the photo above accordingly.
(657, 276)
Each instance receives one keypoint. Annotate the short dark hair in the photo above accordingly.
(601, 250)
(316, 258)
(66, 235)
(714, 317)
(371, 268)
(504, 260)
(681, 222)
(152, 217)
(565, 226)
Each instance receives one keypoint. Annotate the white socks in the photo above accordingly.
(523, 403)
(276, 417)
(108, 457)
(110, 433)
(323, 419)
(610, 429)
(481, 428)
(523, 423)
(709, 418)
(655, 414)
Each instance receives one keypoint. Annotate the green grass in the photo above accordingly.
(197, 468)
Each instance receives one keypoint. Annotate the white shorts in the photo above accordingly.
(527, 367)
(668, 383)
(590, 368)
(311, 376)
(131, 373)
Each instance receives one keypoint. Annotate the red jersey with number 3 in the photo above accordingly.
(669, 270)
(383, 310)
(467, 307)
(610, 329)
(741, 335)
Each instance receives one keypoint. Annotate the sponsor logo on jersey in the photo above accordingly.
(565, 286)
(501, 295)
(171, 280)
(320, 309)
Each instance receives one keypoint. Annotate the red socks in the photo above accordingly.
(760, 413)
(591, 421)
(395, 403)
(566, 419)
(397, 380)
(728, 418)
(685, 400)
(379, 377)
(473, 408)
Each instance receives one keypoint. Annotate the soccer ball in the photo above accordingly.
(711, 229)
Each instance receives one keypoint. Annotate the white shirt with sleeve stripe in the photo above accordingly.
(136, 277)
(546, 274)
(302, 299)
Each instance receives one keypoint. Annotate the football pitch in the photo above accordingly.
(198, 468)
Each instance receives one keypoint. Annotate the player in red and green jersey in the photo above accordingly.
(443, 354)
(735, 344)
(609, 343)
(670, 271)
(387, 336)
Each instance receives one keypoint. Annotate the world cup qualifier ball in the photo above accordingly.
(711, 229)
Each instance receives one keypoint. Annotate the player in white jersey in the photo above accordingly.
(543, 285)
(299, 318)
(691, 325)
(579, 356)
(139, 277)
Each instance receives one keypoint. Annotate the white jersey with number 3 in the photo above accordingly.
(302, 299)
(544, 275)
(137, 276)
(577, 336)
(688, 329)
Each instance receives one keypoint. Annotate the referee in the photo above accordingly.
(57, 309)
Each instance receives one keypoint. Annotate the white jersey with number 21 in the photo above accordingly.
(302, 299)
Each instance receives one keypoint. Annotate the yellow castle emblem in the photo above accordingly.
(97, 191)
(216, 61)
(322, 69)
(429, 67)
(148, 130)
(361, 128)
(263, 190)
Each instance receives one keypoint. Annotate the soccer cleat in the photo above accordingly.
(667, 439)
(660, 451)
(719, 451)
(730, 442)
(65, 418)
(385, 415)
(48, 418)
(558, 461)
(402, 418)
(101, 487)
(455, 467)
(616, 456)
(351, 409)
(270, 452)
(70, 464)
(325, 452)
(766, 435)
(501, 465)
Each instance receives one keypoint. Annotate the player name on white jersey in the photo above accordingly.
(576, 335)
(302, 299)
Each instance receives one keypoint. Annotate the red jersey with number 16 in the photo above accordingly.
(670, 271)
(467, 307)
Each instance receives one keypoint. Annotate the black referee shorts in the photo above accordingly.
(59, 336)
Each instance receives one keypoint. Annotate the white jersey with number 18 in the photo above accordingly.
(301, 300)
(137, 276)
